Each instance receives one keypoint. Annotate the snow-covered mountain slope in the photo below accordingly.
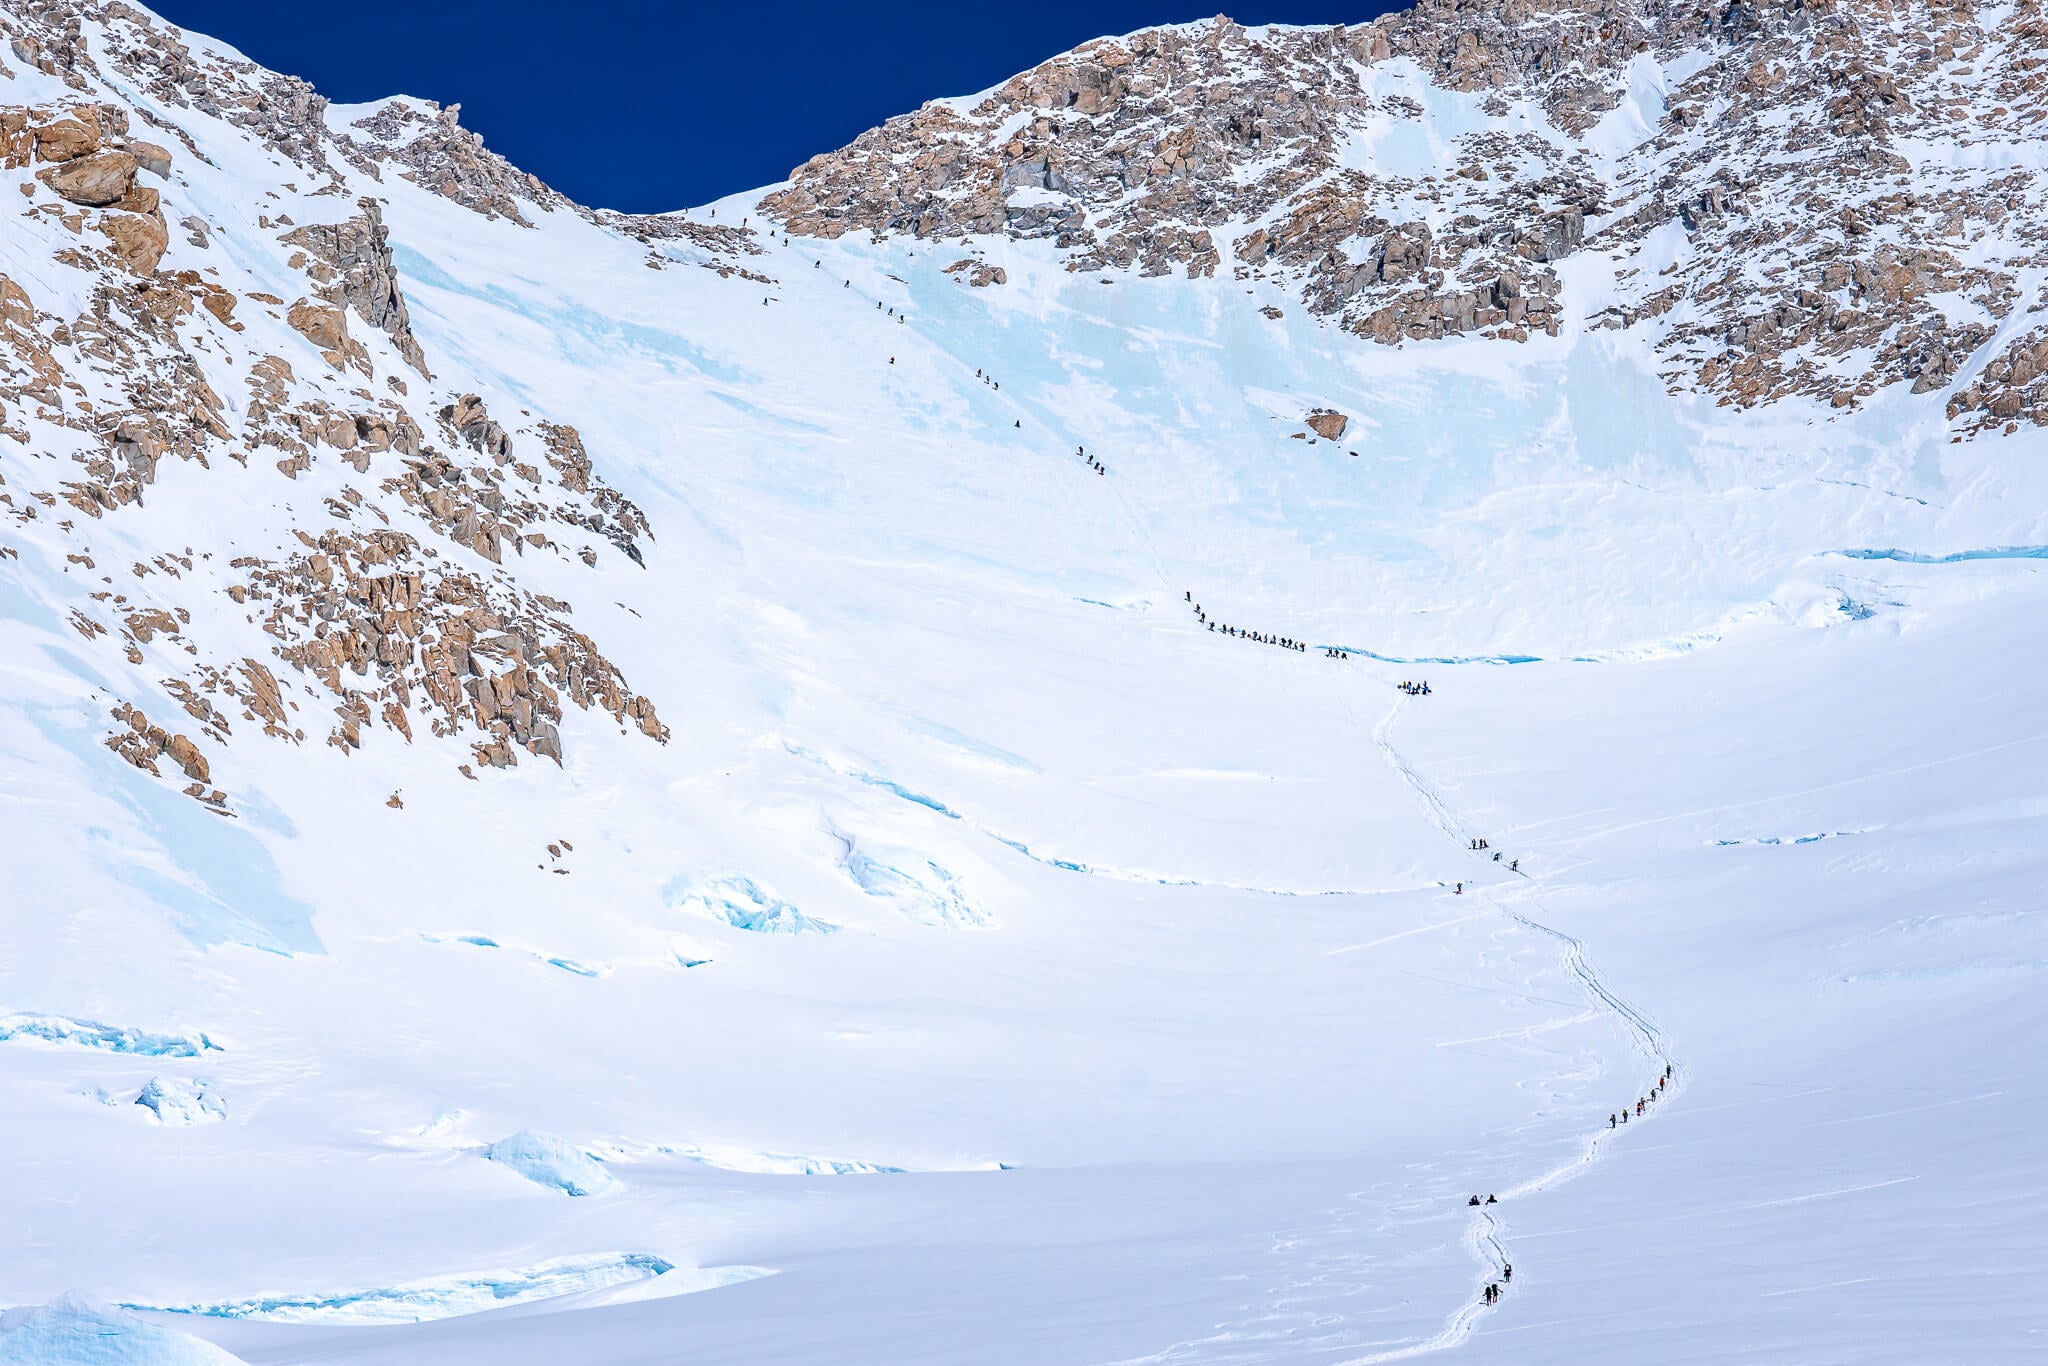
(823, 779)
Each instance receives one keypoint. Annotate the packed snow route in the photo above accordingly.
(1487, 1235)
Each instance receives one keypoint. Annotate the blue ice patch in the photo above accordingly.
(740, 903)
(112, 1038)
(553, 1162)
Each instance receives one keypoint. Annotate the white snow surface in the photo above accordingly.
(1143, 979)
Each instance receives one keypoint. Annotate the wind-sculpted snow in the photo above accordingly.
(741, 903)
(112, 1038)
(547, 1160)
(77, 1330)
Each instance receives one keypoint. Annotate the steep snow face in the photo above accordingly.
(880, 760)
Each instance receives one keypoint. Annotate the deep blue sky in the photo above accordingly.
(640, 106)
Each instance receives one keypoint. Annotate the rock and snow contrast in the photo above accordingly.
(827, 778)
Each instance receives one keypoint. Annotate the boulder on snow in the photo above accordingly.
(94, 181)
(150, 157)
(1328, 423)
(65, 140)
(319, 322)
(138, 239)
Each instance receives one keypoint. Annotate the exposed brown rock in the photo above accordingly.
(98, 179)
(65, 140)
(1327, 423)
(139, 240)
(362, 276)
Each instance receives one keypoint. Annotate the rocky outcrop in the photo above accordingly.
(979, 274)
(143, 744)
(352, 264)
(1129, 153)
(96, 181)
(1328, 423)
(430, 147)
(94, 167)
(394, 635)
(400, 611)
(1801, 159)
(138, 240)
(2011, 388)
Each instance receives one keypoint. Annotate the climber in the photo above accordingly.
(1507, 1271)
(892, 360)
(1018, 424)
(1610, 1119)
(1514, 865)
(1459, 889)
(1496, 856)
(1473, 1201)
(1491, 1201)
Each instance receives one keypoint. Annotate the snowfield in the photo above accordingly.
(999, 964)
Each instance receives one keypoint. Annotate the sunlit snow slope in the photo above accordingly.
(997, 963)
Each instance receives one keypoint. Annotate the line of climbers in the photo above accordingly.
(1258, 637)
(1492, 1293)
(1642, 1102)
(1414, 689)
(1479, 846)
